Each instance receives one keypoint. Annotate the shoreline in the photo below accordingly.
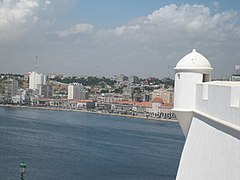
(86, 111)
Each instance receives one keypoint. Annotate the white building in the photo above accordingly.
(36, 79)
(157, 102)
(209, 115)
(76, 91)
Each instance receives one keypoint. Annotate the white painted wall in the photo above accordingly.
(209, 154)
(209, 115)
(185, 89)
(219, 99)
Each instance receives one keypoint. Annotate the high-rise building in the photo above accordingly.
(45, 90)
(11, 88)
(36, 79)
(76, 91)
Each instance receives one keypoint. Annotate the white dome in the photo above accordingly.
(194, 61)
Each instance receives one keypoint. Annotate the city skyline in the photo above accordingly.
(143, 38)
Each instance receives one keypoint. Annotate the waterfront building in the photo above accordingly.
(45, 90)
(209, 115)
(82, 104)
(17, 99)
(11, 88)
(109, 97)
(36, 79)
(76, 91)
(157, 106)
(142, 108)
(122, 107)
(104, 107)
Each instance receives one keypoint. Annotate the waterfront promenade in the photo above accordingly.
(91, 111)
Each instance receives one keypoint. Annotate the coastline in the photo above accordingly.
(86, 111)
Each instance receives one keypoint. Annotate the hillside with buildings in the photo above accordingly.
(149, 97)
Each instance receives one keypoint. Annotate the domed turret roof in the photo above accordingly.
(194, 61)
(157, 100)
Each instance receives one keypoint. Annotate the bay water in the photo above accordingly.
(60, 145)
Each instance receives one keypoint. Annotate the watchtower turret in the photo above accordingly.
(191, 69)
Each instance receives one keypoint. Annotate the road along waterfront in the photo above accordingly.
(90, 111)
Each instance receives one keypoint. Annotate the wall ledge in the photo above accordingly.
(219, 124)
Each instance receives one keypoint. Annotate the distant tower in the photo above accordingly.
(36, 64)
(191, 69)
(36, 79)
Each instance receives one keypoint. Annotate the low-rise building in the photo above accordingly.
(122, 107)
(82, 104)
(142, 108)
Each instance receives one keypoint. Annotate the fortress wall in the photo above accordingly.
(211, 151)
(209, 115)
(219, 99)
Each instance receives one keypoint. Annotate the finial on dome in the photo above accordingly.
(194, 50)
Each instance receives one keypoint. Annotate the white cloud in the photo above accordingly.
(76, 29)
(172, 31)
(13, 14)
(47, 3)
(145, 46)
(191, 17)
(124, 29)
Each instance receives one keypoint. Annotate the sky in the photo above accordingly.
(110, 37)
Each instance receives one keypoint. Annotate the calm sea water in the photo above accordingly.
(60, 145)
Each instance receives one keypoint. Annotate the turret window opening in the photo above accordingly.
(178, 76)
(206, 78)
